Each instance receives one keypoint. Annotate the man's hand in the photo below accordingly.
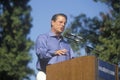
(61, 52)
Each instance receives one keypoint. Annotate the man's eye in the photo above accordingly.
(60, 22)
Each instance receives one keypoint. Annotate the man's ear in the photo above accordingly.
(52, 22)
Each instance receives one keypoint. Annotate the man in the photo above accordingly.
(51, 48)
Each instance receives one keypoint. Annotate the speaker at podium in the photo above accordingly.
(82, 68)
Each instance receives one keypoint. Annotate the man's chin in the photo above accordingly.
(60, 32)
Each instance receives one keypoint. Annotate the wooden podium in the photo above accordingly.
(82, 68)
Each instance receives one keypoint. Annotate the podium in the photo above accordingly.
(81, 68)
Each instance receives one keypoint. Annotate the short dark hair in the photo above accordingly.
(54, 17)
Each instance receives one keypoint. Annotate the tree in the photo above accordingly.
(15, 24)
(110, 30)
(101, 34)
(86, 27)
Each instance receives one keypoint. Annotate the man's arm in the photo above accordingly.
(41, 47)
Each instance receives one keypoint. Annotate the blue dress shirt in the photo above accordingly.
(46, 45)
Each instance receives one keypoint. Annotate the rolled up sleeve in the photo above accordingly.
(41, 48)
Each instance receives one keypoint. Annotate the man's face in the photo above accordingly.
(58, 25)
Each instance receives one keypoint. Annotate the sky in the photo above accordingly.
(43, 10)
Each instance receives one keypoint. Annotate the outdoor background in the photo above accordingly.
(43, 10)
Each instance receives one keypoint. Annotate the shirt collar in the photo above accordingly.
(52, 34)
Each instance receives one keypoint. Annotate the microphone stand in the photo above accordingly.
(78, 39)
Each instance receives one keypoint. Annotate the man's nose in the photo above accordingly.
(63, 24)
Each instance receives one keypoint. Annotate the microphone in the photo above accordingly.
(71, 34)
(77, 36)
(74, 37)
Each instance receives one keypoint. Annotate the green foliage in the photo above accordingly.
(86, 27)
(101, 34)
(109, 47)
(110, 40)
(15, 24)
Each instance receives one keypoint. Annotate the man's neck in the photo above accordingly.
(57, 34)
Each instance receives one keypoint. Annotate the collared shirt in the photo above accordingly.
(46, 45)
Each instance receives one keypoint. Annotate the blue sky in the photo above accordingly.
(42, 11)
